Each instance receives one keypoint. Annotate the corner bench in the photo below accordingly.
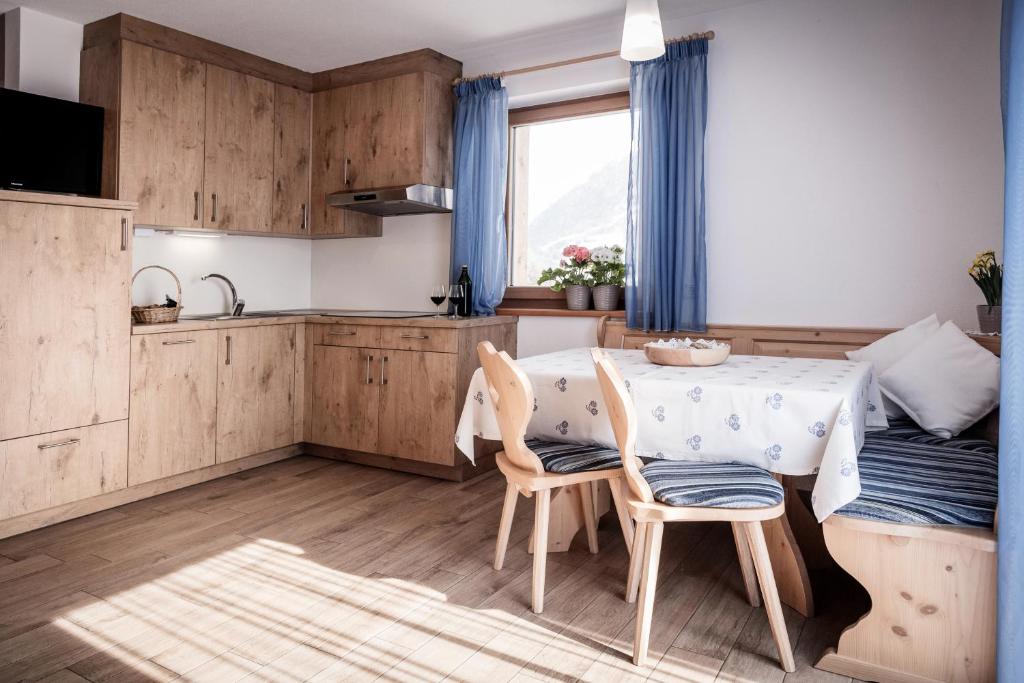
(921, 540)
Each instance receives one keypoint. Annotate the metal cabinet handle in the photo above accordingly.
(213, 214)
(180, 341)
(195, 212)
(383, 369)
(415, 336)
(369, 377)
(69, 442)
(347, 163)
(124, 234)
(227, 350)
(305, 219)
(341, 334)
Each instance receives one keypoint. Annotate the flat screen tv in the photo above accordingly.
(50, 145)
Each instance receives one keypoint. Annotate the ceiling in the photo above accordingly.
(315, 35)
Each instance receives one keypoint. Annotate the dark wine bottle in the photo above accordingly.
(465, 307)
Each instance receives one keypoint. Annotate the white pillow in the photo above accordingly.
(888, 350)
(946, 384)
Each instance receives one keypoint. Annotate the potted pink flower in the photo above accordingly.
(573, 274)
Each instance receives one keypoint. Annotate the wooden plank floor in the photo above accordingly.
(314, 570)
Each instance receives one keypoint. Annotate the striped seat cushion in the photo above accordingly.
(706, 484)
(908, 476)
(568, 458)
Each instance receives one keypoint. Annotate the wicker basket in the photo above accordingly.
(156, 313)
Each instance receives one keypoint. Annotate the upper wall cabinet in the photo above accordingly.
(239, 151)
(161, 135)
(204, 136)
(383, 133)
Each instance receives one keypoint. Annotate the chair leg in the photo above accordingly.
(746, 564)
(763, 563)
(540, 547)
(645, 605)
(617, 487)
(505, 525)
(636, 562)
(586, 492)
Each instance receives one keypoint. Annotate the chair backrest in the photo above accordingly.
(512, 397)
(622, 414)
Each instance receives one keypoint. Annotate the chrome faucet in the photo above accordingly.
(236, 304)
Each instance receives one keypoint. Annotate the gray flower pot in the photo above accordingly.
(606, 297)
(990, 318)
(577, 297)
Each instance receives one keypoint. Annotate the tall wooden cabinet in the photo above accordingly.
(64, 349)
(292, 131)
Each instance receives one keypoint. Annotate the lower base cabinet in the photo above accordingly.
(173, 414)
(417, 406)
(345, 397)
(44, 471)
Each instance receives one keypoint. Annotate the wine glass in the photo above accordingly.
(456, 293)
(438, 294)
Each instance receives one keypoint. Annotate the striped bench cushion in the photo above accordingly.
(705, 484)
(568, 458)
(908, 476)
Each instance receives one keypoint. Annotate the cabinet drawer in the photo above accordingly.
(347, 335)
(420, 339)
(48, 470)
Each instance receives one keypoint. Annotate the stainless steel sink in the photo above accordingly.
(222, 316)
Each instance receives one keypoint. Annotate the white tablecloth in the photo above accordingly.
(787, 415)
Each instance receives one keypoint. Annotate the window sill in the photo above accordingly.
(557, 312)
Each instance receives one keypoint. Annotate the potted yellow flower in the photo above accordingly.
(988, 275)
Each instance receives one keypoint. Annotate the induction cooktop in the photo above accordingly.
(343, 313)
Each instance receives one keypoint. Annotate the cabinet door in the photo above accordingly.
(292, 121)
(162, 129)
(331, 171)
(255, 392)
(64, 324)
(417, 406)
(384, 132)
(345, 397)
(172, 427)
(239, 165)
(44, 471)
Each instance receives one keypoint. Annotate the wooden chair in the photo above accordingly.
(537, 467)
(680, 482)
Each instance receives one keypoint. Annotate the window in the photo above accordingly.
(568, 181)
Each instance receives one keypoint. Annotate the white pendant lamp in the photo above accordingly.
(642, 37)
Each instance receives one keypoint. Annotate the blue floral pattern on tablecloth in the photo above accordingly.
(788, 415)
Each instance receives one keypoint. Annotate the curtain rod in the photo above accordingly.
(707, 35)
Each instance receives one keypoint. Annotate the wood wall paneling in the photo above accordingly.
(64, 326)
(239, 168)
(162, 135)
(100, 84)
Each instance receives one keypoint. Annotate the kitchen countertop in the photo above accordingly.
(288, 317)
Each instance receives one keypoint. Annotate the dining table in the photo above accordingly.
(795, 417)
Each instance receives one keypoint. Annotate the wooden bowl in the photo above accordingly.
(662, 355)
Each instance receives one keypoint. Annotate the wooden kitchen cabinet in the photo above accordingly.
(173, 423)
(64, 325)
(345, 397)
(255, 392)
(47, 470)
(292, 131)
(161, 130)
(418, 406)
(239, 167)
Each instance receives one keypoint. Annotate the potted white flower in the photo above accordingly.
(609, 274)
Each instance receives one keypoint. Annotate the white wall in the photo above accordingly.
(853, 158)
(42, 53)
(269, 273)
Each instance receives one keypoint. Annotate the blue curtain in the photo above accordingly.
(666, 272)
(481, 167)
(1010, 646)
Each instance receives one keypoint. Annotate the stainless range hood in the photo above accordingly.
(395, 201)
